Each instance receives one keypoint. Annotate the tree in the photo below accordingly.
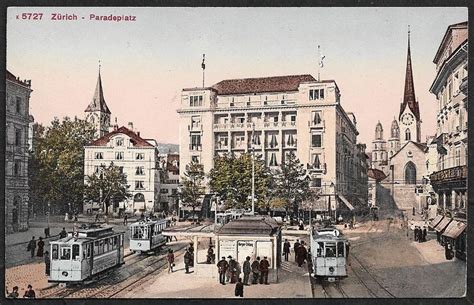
(291, 182)
(109, 186)
(193, 188)
(57, 164)
(231, 177)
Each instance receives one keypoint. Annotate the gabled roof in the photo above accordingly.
(262, 84)
(420, 146)
(98, 100)
(136, 139)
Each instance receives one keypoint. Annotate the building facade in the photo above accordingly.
(169, 169)
(137, 158)
(274, 116)
(450, 89)
(17, 153)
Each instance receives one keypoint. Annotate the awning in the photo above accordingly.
(346, 202)
(436, 221)
(319, 204)
(454, 229)
(442, 224)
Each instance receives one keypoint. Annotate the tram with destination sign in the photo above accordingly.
(146, 235)
(329, 250)
(84, 253)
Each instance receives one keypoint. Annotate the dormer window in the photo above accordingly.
(140, 156)
(195, 100)
(119, 142)
(316, 94)
(99, 155)
(119, 155)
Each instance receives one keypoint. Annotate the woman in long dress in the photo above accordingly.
(40, 250)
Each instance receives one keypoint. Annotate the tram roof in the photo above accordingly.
(251, 225)
(148, 222)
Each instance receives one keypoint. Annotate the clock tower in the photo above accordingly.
(97, 112)
(409, 117)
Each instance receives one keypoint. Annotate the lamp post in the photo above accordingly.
(253, 169)
(335, 201)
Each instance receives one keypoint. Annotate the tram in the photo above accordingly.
(329, 250)
(85, 253)
(147, 235)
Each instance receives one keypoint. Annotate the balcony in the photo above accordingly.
(313, 124)
(249, 126)
(195, 147)
(195, 127)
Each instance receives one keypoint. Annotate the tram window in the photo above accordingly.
(330, 250)
(106, 245)
(340, 249)
(65, 253)
(320, 249)
(89, 250)
(96, 248)
(101, 246)
(121, 241)
(114, 242)
(75, 252)
(55, 252)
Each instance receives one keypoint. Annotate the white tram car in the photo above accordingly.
(329, 254)
(85, 253)
(147, 235)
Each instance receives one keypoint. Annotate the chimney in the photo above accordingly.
(130, 126)
(138, 133)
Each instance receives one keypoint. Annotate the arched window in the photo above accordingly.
(410, 173)
(139, 197)
(407, 135)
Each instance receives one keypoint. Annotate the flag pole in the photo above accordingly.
(319, 62)
(203, 66)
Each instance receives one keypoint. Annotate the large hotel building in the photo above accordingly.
(281, 114)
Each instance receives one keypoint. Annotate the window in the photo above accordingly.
(239, 141)
(316, 161)
(195, 100)
(139, 185)
(223, 141)
(316, 117)
(119, 141)
(316, 140)
(55, 252)
(195, 159)
(195, 142)
(120, 169)
(75, 252)
(140, 170)
(407, 135)
(140, 156)
(457, 156)
(340, 249)
(195, 121)
(316, 182)
(164, 191)
(174, 191)
(273, 160)
(18, 105)
(99, 155)
(65, 253)
(316, 94)
(319, 249)
(273, 141)
(330, 249)
(96, 169)
(16, 167)
(275, 119)
(18, 137)
(450, 91)
(119, 155)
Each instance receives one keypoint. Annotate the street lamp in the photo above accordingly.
(253, 168)
(335, 201)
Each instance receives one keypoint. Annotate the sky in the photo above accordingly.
(147, 62)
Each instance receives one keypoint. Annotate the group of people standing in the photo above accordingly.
(301, 253)
(420, 234)
(29, 293)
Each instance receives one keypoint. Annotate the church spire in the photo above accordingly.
(409, 98)
(98, 100)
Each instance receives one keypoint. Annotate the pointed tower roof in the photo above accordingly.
(409, 98)
(98, 100)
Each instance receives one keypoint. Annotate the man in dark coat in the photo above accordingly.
(187, 260)
(424, 234)
(239, 289)
(416, 233)
(295, 247)
(222, 267)
(63, 233)
(255, 270)
(39, 253)
(302, 253)
(47, 263)
(32, 246)
(247, 269)
(30, 293)
(286, 249)
(232, 269)
(264, 266)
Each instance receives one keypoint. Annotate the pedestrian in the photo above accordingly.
(97, 217)
(232, 270)
(39, 253)
(295, 246)
(222, 267)
(31, 247)
(47, 263)
(63, 233)
(302, 253)
(46, 232)
(210, 255)
(424, 234)
(413, 211)
(187, 260)
(75, 217)
(29, 293)
(255, 270)
(239, 288)
(301, 226)
(264, 265)
(247, 269)
(238, 270)
(286, 249)
(191, 250)
(170, 259)
(415, 233)
(14, 294)
(125, 219)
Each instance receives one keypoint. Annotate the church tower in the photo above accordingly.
(394, 140)
(409, 118)
(379, 149)
(97, 112)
